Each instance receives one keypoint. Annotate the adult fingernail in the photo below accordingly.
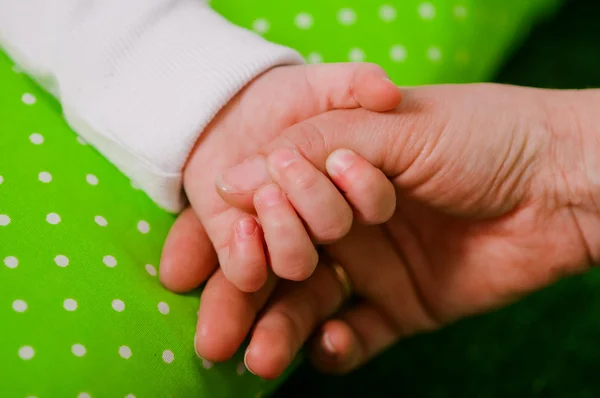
(327, 346)
(269, 195)
(283, 157)
(246, 361)
(340, 161)
(196, 346)
(245, 177)
(246, 227)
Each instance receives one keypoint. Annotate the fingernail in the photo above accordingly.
(269, 195)
(196, 346)
(245, 177)
(327, 345)
(340, 161)
(246, 227)
(283, 157)
(246, 361)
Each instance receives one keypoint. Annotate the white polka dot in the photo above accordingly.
(53, 218)
(387, 13)
(70, 305)
(78, 350)
(109, 261)
(36, 138)
(261, 26)
(125, 352)
(11, 262)
(168, 356)
(314, 58)
(118, 305)
(460, 11)
(45, 177)
(81, 140)
(61, 261)
(427, 11)
(346, 16)
(101, 221)
(434, 54)
(26, 352)
(163, 308)
(129, 396)
(84, 395)
(206, 363)
(1, 179)
(150, 269)
(356, 55)
(4, 220)
(304, 20)
(91, 179)
(28, 99)
(398, 53)
(143, 227)
(19, 305)
(240, 368)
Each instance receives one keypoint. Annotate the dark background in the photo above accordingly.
(545, 346)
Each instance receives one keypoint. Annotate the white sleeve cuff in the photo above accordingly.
(141, 80)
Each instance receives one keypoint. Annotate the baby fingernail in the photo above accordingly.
(340, 161)
(245, 177)
(246, 227)
(269, 195)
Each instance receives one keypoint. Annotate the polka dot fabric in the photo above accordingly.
(82, 313)
(416, 41)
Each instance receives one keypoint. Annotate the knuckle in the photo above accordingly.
(296, 266)
(303, 179)
(308, 139)
(334, 229)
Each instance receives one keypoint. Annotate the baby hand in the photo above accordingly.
(273, 102)
(305, 207)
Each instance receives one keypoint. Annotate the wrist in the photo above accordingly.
(574, 129)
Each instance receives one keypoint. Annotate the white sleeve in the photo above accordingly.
(139, 79)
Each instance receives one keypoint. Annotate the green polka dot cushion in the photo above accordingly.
(416, 41)
(82, 313)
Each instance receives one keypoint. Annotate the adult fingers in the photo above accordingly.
(188, 257)
(295, 310)
(225, 317)
(345, 343)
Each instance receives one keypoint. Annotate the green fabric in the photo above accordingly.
(415, 41)
(81, 308)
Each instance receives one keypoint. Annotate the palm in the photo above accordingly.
(463, 266)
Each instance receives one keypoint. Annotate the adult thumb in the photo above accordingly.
(380, 138)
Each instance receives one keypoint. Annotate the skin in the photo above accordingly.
(495, 196)
(278, 99)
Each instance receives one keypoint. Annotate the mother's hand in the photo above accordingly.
(482, 218)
